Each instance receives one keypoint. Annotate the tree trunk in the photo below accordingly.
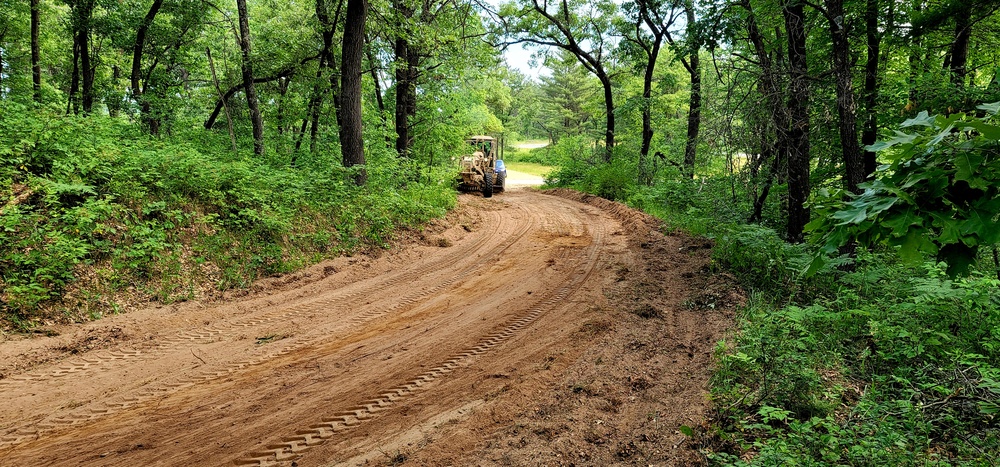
(378, 84)
(351, 141)
(327, 62)
(959, 51)
(74, 81)
(406, 65)
(282, 93)
(210, 121)
(854, 170)
(647, 110)
(222, 99)
(87, 69)
(694, 116)
(609, 108)
(693, 66)
(251, 91)
(570, 43)
(36, 67)
(772, 173)
(798, 109)
(774, 149)
(136, 76)
(870, 132)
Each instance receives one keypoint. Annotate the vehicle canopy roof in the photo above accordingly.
(480, 138)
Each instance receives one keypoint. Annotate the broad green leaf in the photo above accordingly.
(981, 223)
(901, 222)
(989, 131)
(900, 138)
(835, 239)
(967, 166)
(992, 109)
(922, 119)
(881, 204)
(914, 245)
(854, 214)
(947, 131)
(948, 231)
(815, 265)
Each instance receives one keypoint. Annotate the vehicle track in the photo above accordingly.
(552, 247)
(305, 309)
(334, 301)
(291, 447)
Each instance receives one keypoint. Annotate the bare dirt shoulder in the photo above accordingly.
(529, 329)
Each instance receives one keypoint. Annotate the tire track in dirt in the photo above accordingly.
(292, 446)
(570, 235)
(164, 388)
(180, 340)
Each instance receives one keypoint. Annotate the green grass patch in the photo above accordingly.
(530, 168)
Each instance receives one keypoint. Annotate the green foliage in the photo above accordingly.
(614, 181)
(938, 195)
(886, 363)
(94, 198)
(877, 371)
(570, 154)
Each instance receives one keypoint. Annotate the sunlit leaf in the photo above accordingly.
(992, 108)
(922, 119)
(900, 138)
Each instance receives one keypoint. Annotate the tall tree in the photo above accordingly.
(568, 93)
(81, 17)
(773, 149)
(327, 67)
(657, 17)
(36, 67)
(351, 141)
(579, 28)
(692, 63)
(798, 109)
(958, 53)
(406, 63)
(153, 124)
(854, 170)
(871, 92)
(253, 103)
(416, 38)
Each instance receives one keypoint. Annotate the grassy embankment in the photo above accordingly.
(97, 217)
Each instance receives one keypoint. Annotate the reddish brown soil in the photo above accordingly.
(527, 329)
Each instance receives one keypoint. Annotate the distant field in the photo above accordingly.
(531, 144)
(530, 168)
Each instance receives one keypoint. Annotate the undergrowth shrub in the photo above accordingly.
(867, 360)
(612, 181)
(907, 366)
(574, 158)
(95, 199)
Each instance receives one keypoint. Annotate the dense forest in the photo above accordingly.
(843, 155)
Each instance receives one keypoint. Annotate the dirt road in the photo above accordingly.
(526, 329)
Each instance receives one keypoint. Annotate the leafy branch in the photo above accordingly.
(939, 194)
